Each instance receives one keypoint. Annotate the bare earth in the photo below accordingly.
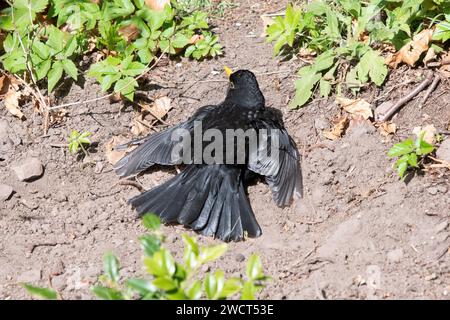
(359, 232)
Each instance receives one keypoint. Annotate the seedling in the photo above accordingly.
(411, 154)
(78, 141)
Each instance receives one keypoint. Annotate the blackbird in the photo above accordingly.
(210, 197)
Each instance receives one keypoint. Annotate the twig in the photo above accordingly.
(405, 99)
(430, 90)
(112, 93)
(135, 184)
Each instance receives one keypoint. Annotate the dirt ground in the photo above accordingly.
(358, 233)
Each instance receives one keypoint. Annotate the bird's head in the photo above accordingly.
(244, 89)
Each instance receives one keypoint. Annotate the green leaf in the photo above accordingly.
(194, 292)
(126, 87)
(401, 148)
(372, 64)
(43, 293)
(412, 160)
(164, 283)
(70, 68)
(54, 75)
(304, 88)
(42, 69)
(111, 266)
(141, 286)
(213, 284)
(107, 293)
(254, 268)
(134, 69)
(180, 41)
(212, 253)
(151, 221)
(248, 291)
(231, 287)
(150, 244)
(402, 165)
(324, 88)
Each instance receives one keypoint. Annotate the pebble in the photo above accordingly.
(432, 190)
(29, 169)
(430, 277)
(239, 257)
(443, 152)
(5, 192)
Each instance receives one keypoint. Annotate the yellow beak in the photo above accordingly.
(228, 71)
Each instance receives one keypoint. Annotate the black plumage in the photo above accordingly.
(211, 198)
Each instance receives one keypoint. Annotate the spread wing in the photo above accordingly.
(159, 147)
(276, 157)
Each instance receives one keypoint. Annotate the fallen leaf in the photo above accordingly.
(129, 32)
(355, 106)
(140, 126)
(338, 130)
(387, 128)
(159, 108)
(11, 101)
(429, 131)
(267, 22)
(11, 94)
(157, 5)
(411, 51)
(430, 56)
(57, 116)
(112, 155)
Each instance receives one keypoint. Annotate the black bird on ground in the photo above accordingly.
(210, 197)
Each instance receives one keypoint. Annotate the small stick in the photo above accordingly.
(135, 184)
(405, 99)
(430, 90)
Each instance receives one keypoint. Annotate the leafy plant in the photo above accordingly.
(347, 35)
(127, 34)
(410, 153)
(78, 141)
(170, 279)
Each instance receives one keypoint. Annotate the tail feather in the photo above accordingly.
(209, 199)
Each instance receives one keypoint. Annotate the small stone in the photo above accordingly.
(30, 204)
(395, 255)
(31, 276)
(432, 190)
(442, 189)
(29, 169)
(431, 277)
(443, 152)
(441, 226)
(5, 192)
(59, 283)
(60, 196)
(239, 257)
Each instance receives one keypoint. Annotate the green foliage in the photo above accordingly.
(43, 293)
(410, 154)
(346, 35)
(170, 279)
(48, 52)
(78, 141)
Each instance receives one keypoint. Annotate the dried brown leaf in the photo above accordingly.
(112, 155)
(338, 130)
(11, 101)
(387, 128)
(140, 126)
(412, 51)
(355, 106)
(159, 108)
(129, 32)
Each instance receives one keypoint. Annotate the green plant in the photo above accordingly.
(78, 141)
(347, 36)
(127, 34)
(411, 153)
(170, 279)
